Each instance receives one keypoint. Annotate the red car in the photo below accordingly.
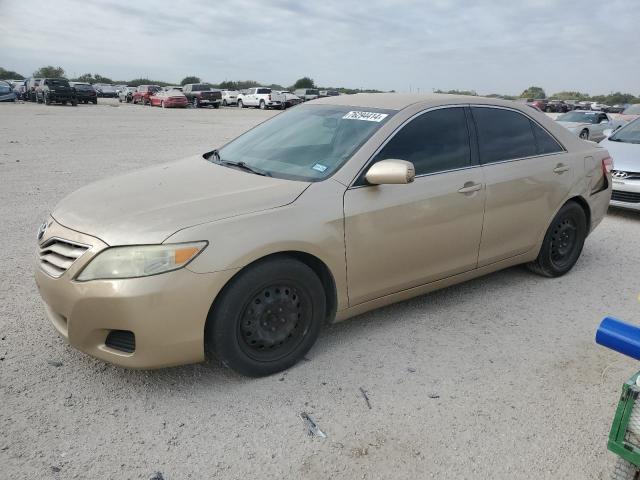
(143, 93)
(168, 98)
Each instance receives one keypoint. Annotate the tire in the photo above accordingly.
(563, 242)
(244, 333)
(262, 105)
(623, 470)
(240, 105)
(216, 106)
(196, 103)
(74, 103)
(584, 134)
(64, 102)
(224, 103)
(95, 102)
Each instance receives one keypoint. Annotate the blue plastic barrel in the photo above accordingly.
(619, 336)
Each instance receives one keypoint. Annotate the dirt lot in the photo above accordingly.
(498, 378)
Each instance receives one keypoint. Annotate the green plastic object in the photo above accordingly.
(620, 441)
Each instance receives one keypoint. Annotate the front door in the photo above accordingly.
(402, 236)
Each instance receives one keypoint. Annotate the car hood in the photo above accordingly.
(149, 205)
(626, 156)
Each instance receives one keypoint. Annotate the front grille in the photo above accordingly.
(628, 197)
(626, 175)
(57, 255)
(122, 340)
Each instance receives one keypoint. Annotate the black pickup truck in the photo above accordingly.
(201, 94)
(58, 90)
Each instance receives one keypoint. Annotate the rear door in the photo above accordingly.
(528, 176)
(402, 236)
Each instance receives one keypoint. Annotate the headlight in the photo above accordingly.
(140, 260)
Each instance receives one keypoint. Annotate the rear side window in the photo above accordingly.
(263, 90)
(546, 143)
(503, 135)
(434, 142)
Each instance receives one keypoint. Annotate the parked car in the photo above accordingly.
(143, 92)
(30, 91)
(172, 87)
(615, 109)
(105, 91)
(328, 93)
(539, 103)
(6, 92)
(286, 98)
(248, 251)
(259, 97)
(168, 99)
(588, 125)
(85, 92)
(19, 87)
(556, 106)
(307, 94)
(56, 90)
(202, 95)
(229, 97)
(125, 94)
(630, 113)
(624, 147)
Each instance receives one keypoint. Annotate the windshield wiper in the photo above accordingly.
(215, 154)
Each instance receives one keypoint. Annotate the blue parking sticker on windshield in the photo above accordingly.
(319, 167)
(366, 116)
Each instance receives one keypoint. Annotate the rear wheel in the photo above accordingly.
(64, 102)
(267, 318)
(262, 105)
(224, 103)
(95, 101)
(562, 243)
(584, 134)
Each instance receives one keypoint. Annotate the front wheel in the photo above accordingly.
(267, 318)
(624, 470)
(240, 105)
(224, 103)
(562, 243)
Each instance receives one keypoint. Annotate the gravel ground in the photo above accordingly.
(497, 378)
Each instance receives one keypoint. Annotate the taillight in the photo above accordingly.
(607, 165)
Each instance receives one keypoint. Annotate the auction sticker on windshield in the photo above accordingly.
(367, 116)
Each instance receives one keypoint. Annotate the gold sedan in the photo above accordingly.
(336, 207)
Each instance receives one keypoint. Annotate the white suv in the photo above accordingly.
(259, 97)
(229, 97)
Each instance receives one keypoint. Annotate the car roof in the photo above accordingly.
(399, 101)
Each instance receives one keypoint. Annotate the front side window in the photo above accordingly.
(308, 143)
(263, 90)
(435, 141)
(503, 135)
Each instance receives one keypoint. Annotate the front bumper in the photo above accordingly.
(626, 194)
(166, 312)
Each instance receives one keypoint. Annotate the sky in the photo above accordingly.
(491, 46)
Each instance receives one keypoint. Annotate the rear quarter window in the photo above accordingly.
(545, 142)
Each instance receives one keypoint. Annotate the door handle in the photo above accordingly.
(469, 188)
(561, 168)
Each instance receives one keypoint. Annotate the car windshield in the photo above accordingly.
(630, 133)
(83, 86)
(632, 110)
(306, 143)
(202, 87)
(58, 82)
(583, 117)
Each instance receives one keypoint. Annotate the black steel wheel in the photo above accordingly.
(267, 318)
(563, 242)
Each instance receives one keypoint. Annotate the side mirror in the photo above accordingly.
(391, 172)
(604, 121)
